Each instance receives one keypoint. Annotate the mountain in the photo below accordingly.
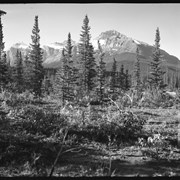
(11, 53)
(114, 44)
(51, 52)
(123, 49)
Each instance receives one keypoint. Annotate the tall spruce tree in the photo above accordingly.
(66, 76)
(156, 73)
(121, 78)
(113, 82)
(87, 60)
(177, 81)
(59, 85)
(70, 75)
(19, 80)
(136, 74)
(28, 73)
(36, 59)
(1, 35)
(3, 61)
(127, 81)
(101, 70)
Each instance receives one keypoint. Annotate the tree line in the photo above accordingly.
(27, 74)
(86, 77)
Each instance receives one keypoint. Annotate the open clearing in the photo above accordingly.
(90, 158)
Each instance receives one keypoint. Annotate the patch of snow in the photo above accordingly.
(136, 41)
(20, 45)
(95, 43)
(102, 42)
(55, 45)
(23, 46)
(140, 42)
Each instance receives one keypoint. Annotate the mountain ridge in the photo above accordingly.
(113, 43)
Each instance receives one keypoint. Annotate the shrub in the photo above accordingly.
(36, 120)
(16, 99)
(112, 127)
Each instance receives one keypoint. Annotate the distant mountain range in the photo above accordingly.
(114, 44)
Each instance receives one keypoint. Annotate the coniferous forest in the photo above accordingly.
(87, 120)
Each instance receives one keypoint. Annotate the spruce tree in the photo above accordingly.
(101, 70)
(121, 78)
(1, 35)
(3, 61)
(36, 59)
(59, 85)
(4, 71)
(70, 75)
(127, 81)
(66, 76)
(19, 80)
(137, 76)
(177, 81)
(113, 82)
(28, 73)
(87, 60)
(156, 74)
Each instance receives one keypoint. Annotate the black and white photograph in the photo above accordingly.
(89, 89)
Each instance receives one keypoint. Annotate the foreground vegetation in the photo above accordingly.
(44, 138)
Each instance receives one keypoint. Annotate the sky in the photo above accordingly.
(138, 21)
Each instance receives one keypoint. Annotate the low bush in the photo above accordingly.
(113, 127)
(36, 120)
(16, 99)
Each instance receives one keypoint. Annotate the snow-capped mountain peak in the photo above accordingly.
(20, 45)
(114, 41)
(55, 45)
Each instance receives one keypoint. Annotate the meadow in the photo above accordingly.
(40, 137)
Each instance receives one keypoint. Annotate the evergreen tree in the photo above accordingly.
(46, 85)
(173, 80)
(101, 70)
(1, 35)
(113, 82)
(19, 72)
(156, 74)
(87, 60)
(36, 59)
(4, 71)
(59, 85)
(121, 78)
(28, 73)
(3, 61)
(127, 81)
(137, 77)
(177, 81)
(70, 77)
(66, 76)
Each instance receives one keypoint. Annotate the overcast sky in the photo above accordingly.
(138, 21)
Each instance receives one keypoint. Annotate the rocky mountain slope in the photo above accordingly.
(114, 44)
(123, 49)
